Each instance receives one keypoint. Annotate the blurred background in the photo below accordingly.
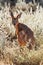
(13, 2)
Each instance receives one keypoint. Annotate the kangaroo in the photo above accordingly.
(23, 32)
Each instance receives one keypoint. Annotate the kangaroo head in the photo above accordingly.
(15, 19)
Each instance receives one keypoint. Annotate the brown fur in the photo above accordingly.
(23, 32)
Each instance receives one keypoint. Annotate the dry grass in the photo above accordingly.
(10, 53)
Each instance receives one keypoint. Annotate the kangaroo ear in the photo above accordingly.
(19, 15)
